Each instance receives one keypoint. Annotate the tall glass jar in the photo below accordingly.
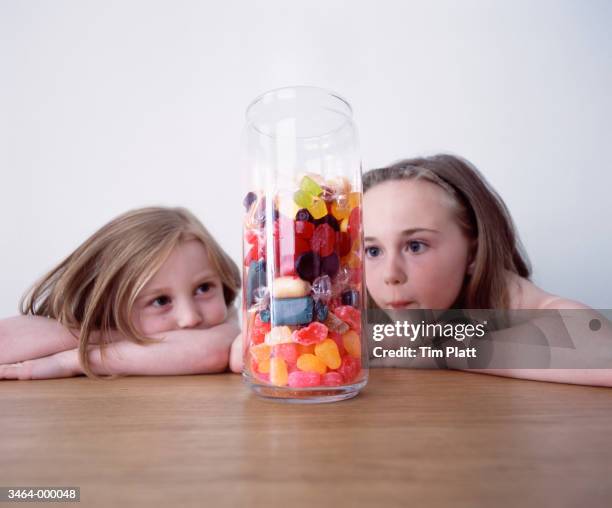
(303, 291)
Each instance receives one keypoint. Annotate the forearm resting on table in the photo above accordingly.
(27, 337)
(178, 352)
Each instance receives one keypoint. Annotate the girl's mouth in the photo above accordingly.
(399, 304)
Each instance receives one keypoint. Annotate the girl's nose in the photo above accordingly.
(188, 315)
(395, 273)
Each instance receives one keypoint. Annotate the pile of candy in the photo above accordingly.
(304, 331)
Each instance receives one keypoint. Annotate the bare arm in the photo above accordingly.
(28, 337)
(186, 351)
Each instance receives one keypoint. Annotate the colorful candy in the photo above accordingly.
(278, 372)
(327, 351)
(300, 379)
(311, 334)
(303, 331)
(311, 363)
(292, 311)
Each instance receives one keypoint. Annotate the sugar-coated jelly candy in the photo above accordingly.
(354, 199)
(317, 208)
(349, 315)
(335, 324)
(349, 368)
(323, 240)
(308, 266)
(258, 330)
(343, 243)
(301, 379)
(303, 349)
(321, 311)
(278, 335)
(309, 186)
(332, 379)
(352, 343)
(278, 372)
(261, 352)
(311, 334)
(344, 225)
(304, 229)
(328, 352)
(330, 264)
(303, 199)
(352, 261)
(292, 311)
(290, 287)
(354, 223)
(350, 297)
(249, 199)
(340, 209)
(311, 363)
(287, 351)
(264, 366)
(337, 338)
(256, 278)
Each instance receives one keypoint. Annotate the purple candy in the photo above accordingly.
(308, 266)
(330, 264)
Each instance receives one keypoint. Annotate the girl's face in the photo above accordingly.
(416, 254)
(186, 292)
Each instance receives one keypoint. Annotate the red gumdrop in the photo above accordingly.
(259, 330)
(354, 276)
(304, 229)
(263, 377)
(354, 223)
(251, 236)
(311, 334)
(332, 379)
(251, 255)
(350, 315)
(299, 379)
(343, 243)
(349, 368)
(323, 240)
(287, 352)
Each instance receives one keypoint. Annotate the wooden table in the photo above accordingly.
(411, 438)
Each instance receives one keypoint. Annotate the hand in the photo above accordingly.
(236, 355)
(58, 365)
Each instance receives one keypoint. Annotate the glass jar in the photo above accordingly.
(303, 290)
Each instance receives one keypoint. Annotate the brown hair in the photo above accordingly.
(481, 214)
(95, 287)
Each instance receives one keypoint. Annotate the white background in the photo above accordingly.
(111, 105)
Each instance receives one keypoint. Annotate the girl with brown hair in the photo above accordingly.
(437, 236)
(150, 293)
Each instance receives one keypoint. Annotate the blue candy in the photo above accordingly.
(292, 311)
(256, 278)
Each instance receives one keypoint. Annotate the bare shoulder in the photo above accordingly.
(524, 294)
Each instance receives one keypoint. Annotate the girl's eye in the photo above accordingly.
(372, 252)
(416, 247)
(205, 288)
(160, 301)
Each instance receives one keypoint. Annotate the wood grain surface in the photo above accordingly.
(411, 438)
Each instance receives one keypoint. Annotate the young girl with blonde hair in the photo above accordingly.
(150, 293)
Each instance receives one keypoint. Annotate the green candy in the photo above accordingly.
(311, 187)
(302, 199)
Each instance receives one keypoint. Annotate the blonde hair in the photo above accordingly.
(95, 287)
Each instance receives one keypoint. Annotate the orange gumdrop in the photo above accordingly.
(278, 372)
(311, 363)
(352, 343)
(328, 352)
